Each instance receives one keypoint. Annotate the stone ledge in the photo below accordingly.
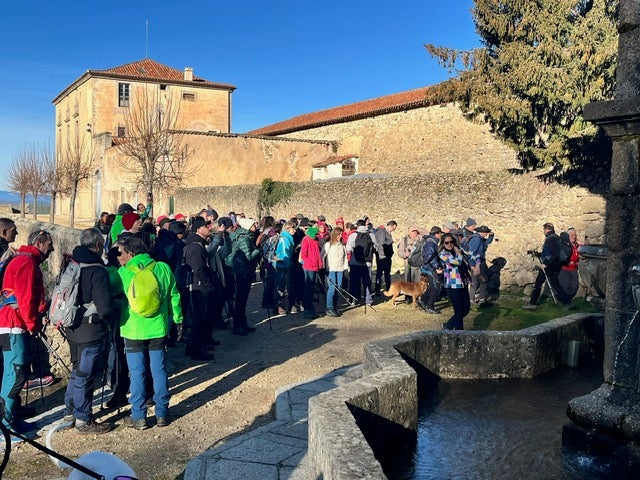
(338, 449)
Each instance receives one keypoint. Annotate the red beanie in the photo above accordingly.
(129, 219)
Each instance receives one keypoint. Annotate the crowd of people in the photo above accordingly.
(201, 269)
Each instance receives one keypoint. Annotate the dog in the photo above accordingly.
(412, 289)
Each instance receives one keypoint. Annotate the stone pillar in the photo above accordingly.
(614, 408)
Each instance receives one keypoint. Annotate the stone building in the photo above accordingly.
(92, 114)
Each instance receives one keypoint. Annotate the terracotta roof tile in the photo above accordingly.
(148, 69)
(377, 106)
(145, 70)
(332, 160)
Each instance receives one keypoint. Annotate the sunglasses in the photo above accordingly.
(38, 235)
(447, 243)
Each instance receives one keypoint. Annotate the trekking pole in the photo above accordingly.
(40, 378)
(55, 355)
(546, 278)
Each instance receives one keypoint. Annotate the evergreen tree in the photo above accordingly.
(541, 62)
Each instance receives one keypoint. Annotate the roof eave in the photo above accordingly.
(101, 74)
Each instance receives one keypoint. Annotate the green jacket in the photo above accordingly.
(244, 254)
(116, 229)
(137, 327)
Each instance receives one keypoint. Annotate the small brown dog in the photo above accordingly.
(412, 289)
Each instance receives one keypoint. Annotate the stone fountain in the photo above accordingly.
(608, 419)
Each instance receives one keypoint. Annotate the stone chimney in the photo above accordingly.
(188, 74)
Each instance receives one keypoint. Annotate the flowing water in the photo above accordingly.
(500, 429)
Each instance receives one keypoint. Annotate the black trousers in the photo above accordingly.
(552, 274)
(432, 293)
(383, 268)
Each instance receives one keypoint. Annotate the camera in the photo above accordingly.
(533, 253)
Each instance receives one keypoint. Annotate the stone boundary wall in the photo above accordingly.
(338, 450)
(513, 206)
(438, 138)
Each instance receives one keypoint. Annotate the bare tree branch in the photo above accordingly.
(19, 174)
(74, 165)
(158, 153)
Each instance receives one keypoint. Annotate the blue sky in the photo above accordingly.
(285, 57)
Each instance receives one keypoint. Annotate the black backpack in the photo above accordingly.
(565, 249)
(415, 259)
(363, 247)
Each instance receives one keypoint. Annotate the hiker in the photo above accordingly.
(23, 277)
(548, 270)
(146, 331)
(88, 342)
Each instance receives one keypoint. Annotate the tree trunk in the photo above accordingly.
(52, 208)
(35, 206)
(23, 205)
(72, 203)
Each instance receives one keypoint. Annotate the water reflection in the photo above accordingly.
(507, 429)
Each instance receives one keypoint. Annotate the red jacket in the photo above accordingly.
(23, 277)
(310, 254)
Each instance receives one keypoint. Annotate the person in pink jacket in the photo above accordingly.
(311, 261)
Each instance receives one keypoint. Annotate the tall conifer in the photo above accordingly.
(541, 62)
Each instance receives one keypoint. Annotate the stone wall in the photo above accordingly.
(341, 448)
(433, 139)
(513, 206)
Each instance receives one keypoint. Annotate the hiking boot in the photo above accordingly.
(294, 309)
(24, 412)
(140, 424)
(332, 313)
(117, 401)
(91, 427)
(68, 420)
(202, 356)
(282, 311)
(163, 422)
(529, 306)
(485, 304)
(35, 383)
(432, 311)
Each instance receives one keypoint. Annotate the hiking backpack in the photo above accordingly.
(268, 248)
(415, 259)
(6, 295)
(363, 247)
(144, 290)
(65, 311)
(565, 249)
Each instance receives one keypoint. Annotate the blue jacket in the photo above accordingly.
(430, 259)
(284, 250)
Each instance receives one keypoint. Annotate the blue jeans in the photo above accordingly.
(79, 395)
(335, 280)
(307, 293)
(14, 353)
(135, 352)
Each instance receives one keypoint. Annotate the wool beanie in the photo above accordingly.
(129, 219)
(246, 223)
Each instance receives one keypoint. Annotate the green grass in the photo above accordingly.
(507, 313)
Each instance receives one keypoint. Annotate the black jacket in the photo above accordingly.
(168, 248)
(94, 286)
(195, 255)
